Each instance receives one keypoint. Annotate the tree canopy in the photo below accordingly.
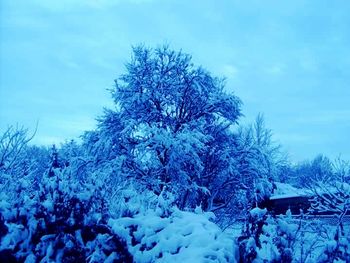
(171, 118)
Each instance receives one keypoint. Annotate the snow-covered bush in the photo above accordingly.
(337, 249)
(65, 221)
(179, 236)
(287, 239)
(249, 242)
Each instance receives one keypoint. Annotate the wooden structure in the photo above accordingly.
(296, 204)
(278, 205)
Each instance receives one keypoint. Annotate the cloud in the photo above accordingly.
(68, 61)
(58, 57)
(308, 63)
(295, 137)
(276, 69)
(68, 5)
(229, 71)
(58, 129)
(326, 117)
(47, 140)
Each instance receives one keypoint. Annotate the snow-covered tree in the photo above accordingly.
(170, 126)
(259, 161)
(20, 162)
(341, 169)
(330, 189)
(319, 169)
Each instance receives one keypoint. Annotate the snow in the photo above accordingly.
(258, 213)
(288, 191)
(171, 141)
(183, 236)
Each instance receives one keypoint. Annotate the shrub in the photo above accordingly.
(64, 221)
(179, 236)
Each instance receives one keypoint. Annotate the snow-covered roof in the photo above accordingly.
(288, 191)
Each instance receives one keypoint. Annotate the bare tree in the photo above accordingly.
(331, 195)
(12, 142)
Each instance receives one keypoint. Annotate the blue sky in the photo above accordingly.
(287, 59)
